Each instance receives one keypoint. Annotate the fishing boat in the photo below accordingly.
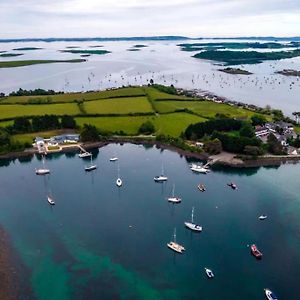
(232, 185)
(43, 170)
(262, 217)
(84, 154)
(175, 246)
(173, 198)
(199, 169)
(91, 167)
(201, 187)
(270, 295)
(50, 200)
(162, 177)
(209, 273)
(119, 181)
(191, 225)
(255, 252)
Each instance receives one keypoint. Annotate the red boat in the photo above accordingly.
(256, 252)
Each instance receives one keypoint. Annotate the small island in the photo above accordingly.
(288, 72)
(235, 71)
(97, 52)
(10, 54)
(22, 63)
(27, 49)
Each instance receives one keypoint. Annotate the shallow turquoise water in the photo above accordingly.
(99, 242)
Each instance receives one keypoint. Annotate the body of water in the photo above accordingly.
(101, 242)
(162, 61)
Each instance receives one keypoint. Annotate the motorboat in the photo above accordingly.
(173, 198)
(232, 185)
(162, 177)
(43, 170)
(199, 169)
(84, 154)
(113, 159)
(201, 187)
(119, 182)
(191, 225)
(262, 217)
(255, 252)
(209, 273)
(270, 295)
(50, 200)
(175, 246)
(91, 167)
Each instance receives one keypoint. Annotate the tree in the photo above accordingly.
(22, 124)
(213, 147)
(89, 133)
(274, 146)
(252, 150)
(247, 130)
(68, 122)
(4, 137)
(147, 128)
(277, 115)
(258, 120)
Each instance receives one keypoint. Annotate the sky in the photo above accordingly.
(120, 18)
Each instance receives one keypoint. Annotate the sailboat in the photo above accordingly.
(119, 181)
(91, 167)
(162, 177)
(50, 200)
(174, 199)
(84, 154)
(42, 171)
(191, 225)
(175, 246)
(114, 158)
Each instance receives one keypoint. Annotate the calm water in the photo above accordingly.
(162, 61)
(101, 242)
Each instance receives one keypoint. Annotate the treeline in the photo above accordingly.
(36, 92)
(165, 89)
(40, 123)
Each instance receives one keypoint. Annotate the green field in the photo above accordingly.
(71, 97)
(119, 106)
(12, 111)
(22, 63)
(171, 124)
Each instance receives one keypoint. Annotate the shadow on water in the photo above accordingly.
(25, 159)
(235, 171)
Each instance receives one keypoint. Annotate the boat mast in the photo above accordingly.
(193, 215)
(174, 235)
(173, 190)
(162, 169)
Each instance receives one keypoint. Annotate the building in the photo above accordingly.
(261, 131)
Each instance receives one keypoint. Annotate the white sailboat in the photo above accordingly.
(191, 225)
(174, 199)
(119, 181)
(175, 246)
(50, 200)
(43, 170)
(162, 177)
(84, 154)
(91, 167)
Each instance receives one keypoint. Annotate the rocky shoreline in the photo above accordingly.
(226, 159)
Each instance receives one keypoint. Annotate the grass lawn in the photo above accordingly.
(207, 109)
(154, 94)
(172, 124)
(71, 97)
(119, 106)
(14, 110)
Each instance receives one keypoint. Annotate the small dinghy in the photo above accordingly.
(50, 200)
(209, 273)
(270, 295)
(255, 252)
(232, 185)
(201, 187)
(262, 217)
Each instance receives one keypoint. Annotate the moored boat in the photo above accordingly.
(270, 295)
(232, 185)
(43, 170)
(84, 154)
(262, 217)
(199, 169)
(50, 200)
(175, 246)
(162, 177)
(201, 187)
(209, 273)
(113, 159)
(91, 167)
(191, 225)
(173, 198)
(255, 252)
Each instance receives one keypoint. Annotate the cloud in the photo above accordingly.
(74, 18)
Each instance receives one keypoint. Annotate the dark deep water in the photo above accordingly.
(101, 242)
